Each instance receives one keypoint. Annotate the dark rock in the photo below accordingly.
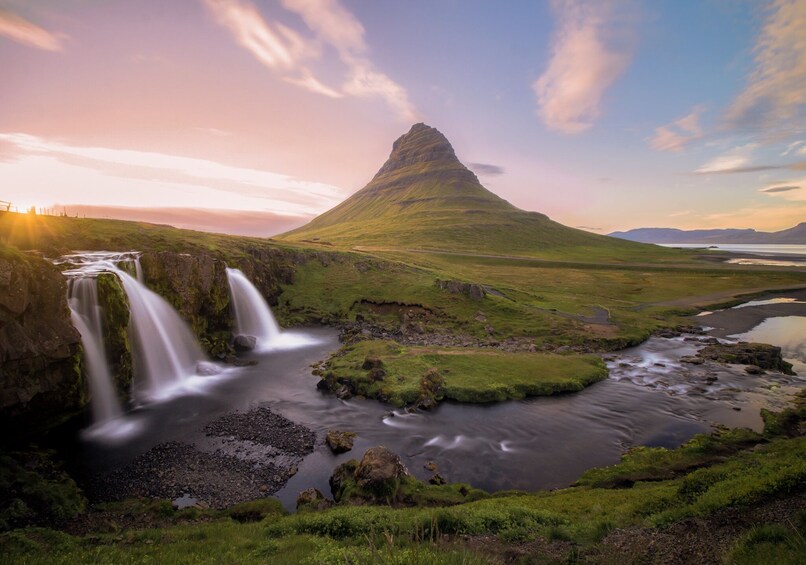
(376, 375)
(432, 385)
(372, 363)
(437, 479)
(340, 442)
(313, 499)
(341, 477)
(754, 370)
(378, 469)
(41, 377)
(430, 466)
(474, 291)
(761, 355)
(244, 342)
(691, 360)
(343, 392)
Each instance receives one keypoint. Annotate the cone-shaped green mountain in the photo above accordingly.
(425, 198)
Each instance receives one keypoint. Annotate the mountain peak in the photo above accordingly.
(422, 144)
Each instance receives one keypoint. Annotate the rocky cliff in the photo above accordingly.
(41, 378)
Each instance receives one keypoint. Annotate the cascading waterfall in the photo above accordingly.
(86, 316)
(253, 316)
(165, 351)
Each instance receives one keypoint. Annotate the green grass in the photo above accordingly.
(580, 515)
(469, 375)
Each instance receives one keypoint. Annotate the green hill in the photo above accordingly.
(425, 198)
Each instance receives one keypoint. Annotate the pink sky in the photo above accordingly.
(283, 108)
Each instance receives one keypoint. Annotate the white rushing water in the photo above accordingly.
(165, 351)
(86, 316)
(253, 317)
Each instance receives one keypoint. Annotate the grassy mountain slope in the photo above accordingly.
(425, 198)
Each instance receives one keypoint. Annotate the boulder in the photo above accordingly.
(761, 355)
(340, 442)
(243, 343)
(471, 290)
(313, 499)
(380, 470)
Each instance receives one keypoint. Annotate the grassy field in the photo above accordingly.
(599, 302)
(569, 524)
(462, 374)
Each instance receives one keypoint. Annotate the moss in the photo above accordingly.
(35, 490)
(115, 307)
(426, 375)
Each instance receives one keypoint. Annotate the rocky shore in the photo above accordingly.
(241, 457)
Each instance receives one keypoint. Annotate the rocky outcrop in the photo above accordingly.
(115, 307)
(373, 480)
(41, 379)
(196, 285)
(313, 499)
(340, 442)
(474, 291)
(759, 355)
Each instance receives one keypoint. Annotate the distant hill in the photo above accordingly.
(795, 235)
(423, 197)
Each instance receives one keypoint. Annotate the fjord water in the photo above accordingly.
(253, 316)
(86, 315)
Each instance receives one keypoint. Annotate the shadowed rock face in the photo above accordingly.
(40, 364)
(422, 144)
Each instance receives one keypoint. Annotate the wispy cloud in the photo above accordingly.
(26, 33)
(676, 135)
(736, 160)
(591, 48)
(486, 169)
(775, 189)
(286, 51)
(790, 190)
(774, 98)
(276, 191)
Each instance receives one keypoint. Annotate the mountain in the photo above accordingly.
(423, 197)
(795, 235)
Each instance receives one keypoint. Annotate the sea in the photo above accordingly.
(779, 255)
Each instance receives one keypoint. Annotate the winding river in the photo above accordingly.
(651, 398)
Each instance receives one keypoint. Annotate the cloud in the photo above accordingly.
(486, 169)
(678, 134)
(273, 190)
(736, 160)
(234, 222)
(591, 48)
(774, 189)
(790, 190)
(284, 50)
(793, 148)
(775, 95)
(680, 214)
(26, 33)
(588, 228)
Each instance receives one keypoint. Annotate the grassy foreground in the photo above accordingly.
(404, 375)
(577, 524)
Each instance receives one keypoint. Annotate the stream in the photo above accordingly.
(651, 399)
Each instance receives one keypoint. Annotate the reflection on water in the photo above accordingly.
(766, 262)
(779, 300)
(788, 333)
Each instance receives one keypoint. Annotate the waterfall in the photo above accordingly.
(253, 316)
(165, 351)
(86, 316)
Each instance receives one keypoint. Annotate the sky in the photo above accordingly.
(252, 116)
